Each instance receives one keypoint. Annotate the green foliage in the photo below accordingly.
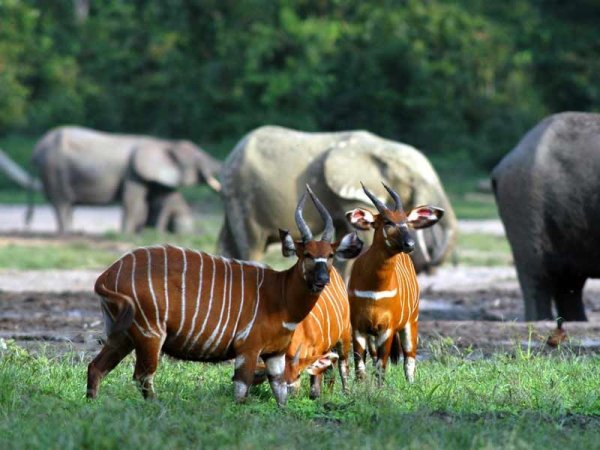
(538, 402)
(466, 76)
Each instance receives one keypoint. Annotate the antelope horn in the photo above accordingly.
(378, 204)
(395, 196)
(302, 226)
(328, 233)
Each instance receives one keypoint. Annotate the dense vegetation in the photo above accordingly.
(453, 77)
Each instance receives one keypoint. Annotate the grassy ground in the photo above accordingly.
(524, 401)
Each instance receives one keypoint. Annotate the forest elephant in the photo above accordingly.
(80, 166)
(270, 166)
(546, 191)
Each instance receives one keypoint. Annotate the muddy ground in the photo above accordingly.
(472, 323)
(474, 311)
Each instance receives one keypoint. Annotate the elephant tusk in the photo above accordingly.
(214, 183)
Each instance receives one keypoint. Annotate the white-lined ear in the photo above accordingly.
(349, 247)
(361, 219)
(319, 366)
(424, 216)
(288, 247)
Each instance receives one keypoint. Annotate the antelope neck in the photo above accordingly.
(380, 267)
(298, 300)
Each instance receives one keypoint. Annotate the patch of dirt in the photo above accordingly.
(475, 324)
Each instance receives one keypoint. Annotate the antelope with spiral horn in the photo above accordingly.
(195, 306)
(383, 288)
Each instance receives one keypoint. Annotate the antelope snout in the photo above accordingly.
(320, 277)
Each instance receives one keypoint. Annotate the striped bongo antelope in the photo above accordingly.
(195, 306)
(383, 288)
(326, 327)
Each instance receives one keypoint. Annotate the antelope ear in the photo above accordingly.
(288, 247)
(424, 216)
(361, 219)
(325, 361)
(348, 247)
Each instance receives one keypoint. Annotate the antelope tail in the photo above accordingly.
(118, 308)
(396, 350)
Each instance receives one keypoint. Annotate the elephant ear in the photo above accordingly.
(371, 160)
(155, 163)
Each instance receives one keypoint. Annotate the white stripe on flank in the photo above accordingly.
(208, 343)
(151, 287)
(210, 298)
(193, 324)
(119, 273)
(229, 308)
(375, 295)
(183, 296)
(137, 302)
(237, 321)
(318, 322)
(166, 287)
(246, 331)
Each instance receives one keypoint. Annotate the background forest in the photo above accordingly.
(458, 79)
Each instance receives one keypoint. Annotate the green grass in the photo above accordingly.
(481, 249)
(523, 401)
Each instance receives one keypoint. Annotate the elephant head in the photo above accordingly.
(409, 173)
(175, 163)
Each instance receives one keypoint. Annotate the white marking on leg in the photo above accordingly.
(406, 337)
(289, 325)
(239, 361)
(360, 339)
(275, 365)
(383, 337)
(409, 369)
(361, 365)
(240, 390)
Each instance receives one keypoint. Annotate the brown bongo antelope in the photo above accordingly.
(196, 306)
(383, 289)
(326, 327)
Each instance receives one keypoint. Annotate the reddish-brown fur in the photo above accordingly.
(326, 327)
(167, 321)
(383, 288)
(377, 270)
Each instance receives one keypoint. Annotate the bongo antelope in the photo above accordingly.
(383, 289)
(195, 306)
(326, 327)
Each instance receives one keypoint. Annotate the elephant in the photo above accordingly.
(270, 166)
(81, 166)
(547, 198)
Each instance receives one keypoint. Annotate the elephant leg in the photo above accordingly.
(537, 294)
(568, 298)
(135, 207)
(64, 216)
(227, 245)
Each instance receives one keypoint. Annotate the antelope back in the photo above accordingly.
(201, 304)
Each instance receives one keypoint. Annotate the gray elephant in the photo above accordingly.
(547, 196)
(80, 166)
(270, 167)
